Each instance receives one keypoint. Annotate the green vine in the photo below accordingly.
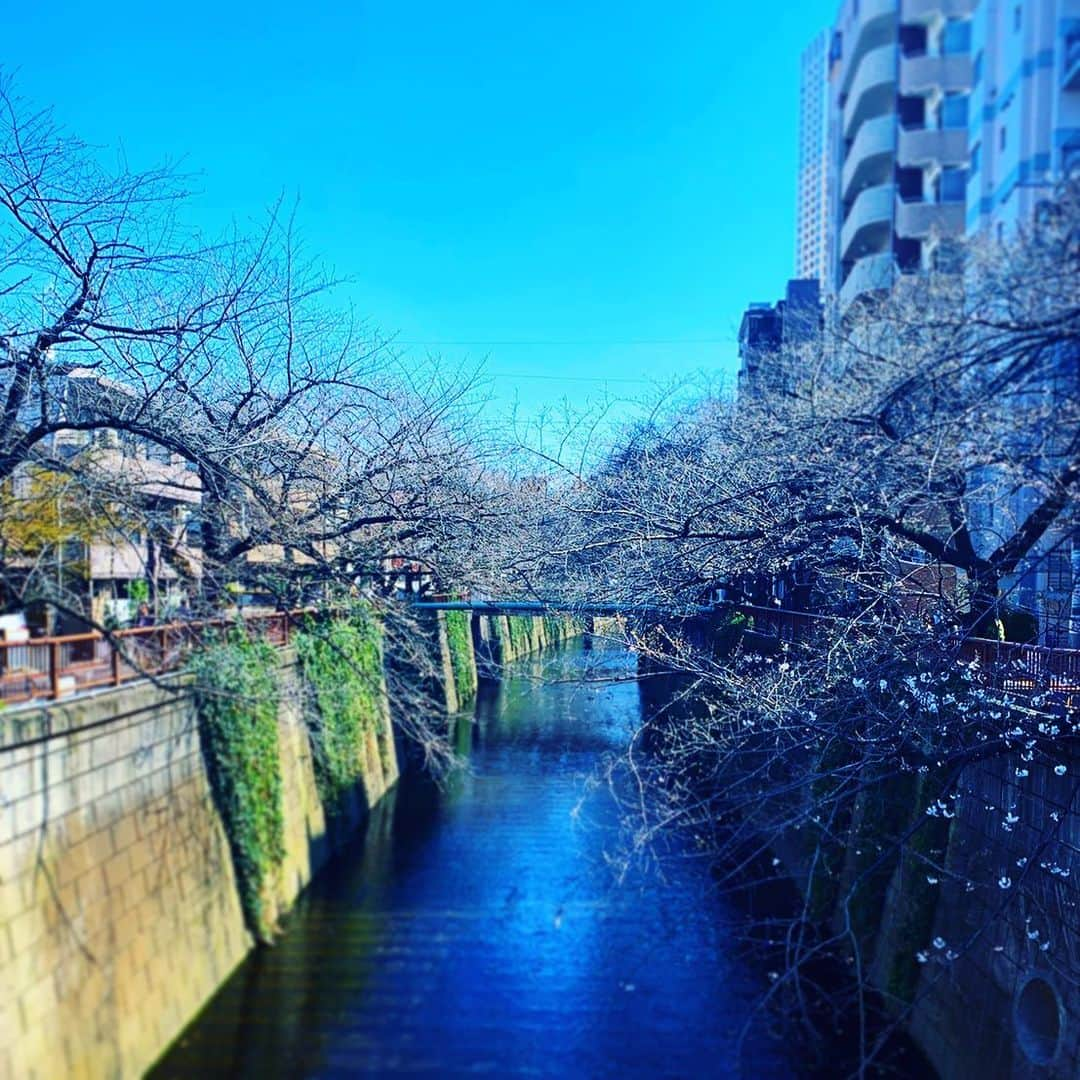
(459, 640)
(236, 693)
(521, 642)
(341, 662)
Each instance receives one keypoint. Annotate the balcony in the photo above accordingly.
(918, 220)
(876, 26)
(924, 146)
(923, 75)
(868, 225)
(871, 274)
(1070, 71)
(927, 11)
(874, 90)
(869, 161)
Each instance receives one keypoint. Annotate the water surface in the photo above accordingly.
(478, 929)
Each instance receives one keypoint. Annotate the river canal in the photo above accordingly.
(477, 929)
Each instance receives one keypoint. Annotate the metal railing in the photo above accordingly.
(52, 667)
(1005, 665)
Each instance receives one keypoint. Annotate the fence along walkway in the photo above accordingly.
(1005, 665)
(52, 667)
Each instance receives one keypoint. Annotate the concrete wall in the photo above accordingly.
(119, 913)
(996, 883)
(979, 1008)
(500, 639)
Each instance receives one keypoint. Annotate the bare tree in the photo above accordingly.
(917, 461)
(210, 398)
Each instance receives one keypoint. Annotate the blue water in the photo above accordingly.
(479, 929)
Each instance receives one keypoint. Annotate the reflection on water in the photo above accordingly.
(477, 929)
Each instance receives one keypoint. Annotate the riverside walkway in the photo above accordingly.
(49, 668)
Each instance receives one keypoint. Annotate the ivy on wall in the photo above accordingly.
(521, 641)
(236, 693)
(341, 663)
(459, 640)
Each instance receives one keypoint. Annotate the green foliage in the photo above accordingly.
(560, 628)
(341, 662)
(139, 590)
(459, 640)
(237, 694)
(520, 627)
(728, 630)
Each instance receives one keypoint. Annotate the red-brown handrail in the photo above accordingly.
(51, 667)
(1009, 665)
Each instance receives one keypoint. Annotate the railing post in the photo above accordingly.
(114, 660)
(54, 668)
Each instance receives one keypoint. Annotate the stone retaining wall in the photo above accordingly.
(1010, 907)
(119, 913)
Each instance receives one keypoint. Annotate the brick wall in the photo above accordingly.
(119, 913)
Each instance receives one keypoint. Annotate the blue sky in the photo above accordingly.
(578, 177)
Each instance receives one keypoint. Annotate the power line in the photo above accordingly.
(573, 343)
(562, 378)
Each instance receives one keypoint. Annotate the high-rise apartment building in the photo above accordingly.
(945, 118)
(1024, 130)
(812, 219)
(900, 75)
(1024, 136)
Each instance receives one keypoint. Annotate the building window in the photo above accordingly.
(976, 68)
(976, 158)
(1018, 17)
(952, 185)
(956, 37)
(1001, 137)
(1058, 572)
(954, 111)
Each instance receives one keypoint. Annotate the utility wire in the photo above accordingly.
(563, 342)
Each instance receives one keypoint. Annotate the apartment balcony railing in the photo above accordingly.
(870, 152)
(916, 220)
(873, 91)
(876, 26)
(870, 274)
(926, 11)
(869, 220)
(923, 75)
(921, 146)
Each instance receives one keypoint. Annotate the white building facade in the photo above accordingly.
(1024, 129)
(1024, 136)
(900, 78)
(812, 214)
(945, 118)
